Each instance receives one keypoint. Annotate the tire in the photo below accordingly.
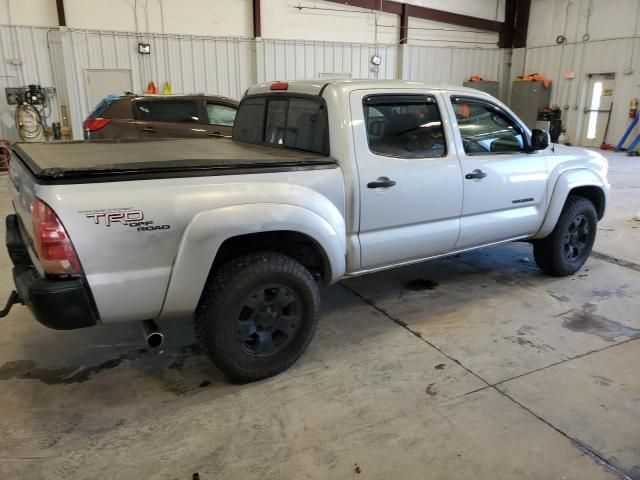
(568, 246)
(257, 315)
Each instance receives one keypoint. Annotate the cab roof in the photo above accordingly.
(316, 87)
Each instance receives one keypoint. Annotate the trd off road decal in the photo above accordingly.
(128, 217)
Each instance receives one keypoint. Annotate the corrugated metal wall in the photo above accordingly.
(451, 65)
(29, 46)
(292, 59)
(214, 65)
(605, 56)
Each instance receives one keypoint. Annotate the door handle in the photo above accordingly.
(215, 134)
(149, 130)
(381, 182)
(475, 174)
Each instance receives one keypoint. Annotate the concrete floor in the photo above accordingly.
(471, 367)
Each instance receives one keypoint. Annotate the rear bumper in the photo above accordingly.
(61, 304)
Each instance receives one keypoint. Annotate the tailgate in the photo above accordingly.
(22, 188)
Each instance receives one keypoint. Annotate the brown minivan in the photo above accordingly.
(161, 116)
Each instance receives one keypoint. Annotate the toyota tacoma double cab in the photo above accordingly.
(322, 180)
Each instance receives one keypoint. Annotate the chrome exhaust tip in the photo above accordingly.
(152, 334)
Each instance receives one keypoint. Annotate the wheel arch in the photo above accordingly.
(581, 182)
(217, 235)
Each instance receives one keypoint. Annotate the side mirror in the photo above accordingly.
(539, 140)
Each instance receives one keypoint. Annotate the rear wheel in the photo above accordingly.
(257, 315)
(568, 246)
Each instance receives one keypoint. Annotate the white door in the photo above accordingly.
(504, 186)
(409, 175)
(103, 82)
(600, 89)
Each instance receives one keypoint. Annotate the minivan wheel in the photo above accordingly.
(567, 248)
(257, 315)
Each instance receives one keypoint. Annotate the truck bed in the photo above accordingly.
(114, 160)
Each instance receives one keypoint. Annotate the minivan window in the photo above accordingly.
(221, 114)
(288, 121)
(167, 111)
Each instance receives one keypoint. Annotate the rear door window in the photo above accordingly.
(404, 126)
(176, 111)
(101, 109)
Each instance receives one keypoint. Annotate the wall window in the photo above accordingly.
(485, 128)
(404, 126)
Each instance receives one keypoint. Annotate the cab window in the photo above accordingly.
(404, 126)
(485, 128)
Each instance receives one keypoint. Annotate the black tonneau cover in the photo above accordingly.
(102, 160)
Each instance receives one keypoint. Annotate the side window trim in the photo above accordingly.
(406, 99)
(486, 103)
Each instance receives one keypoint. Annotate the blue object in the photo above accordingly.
(634, 144)
(633, 123)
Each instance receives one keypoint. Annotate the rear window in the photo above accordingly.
(287, 121)
(167, 111)
(101, 108)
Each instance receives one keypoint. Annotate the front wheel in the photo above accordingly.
(257, 315)
(568, 246)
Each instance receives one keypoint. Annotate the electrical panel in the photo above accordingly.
(487, 86)
(14, 95)
(528, 98)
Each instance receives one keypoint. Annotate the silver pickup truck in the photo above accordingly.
(322, 180)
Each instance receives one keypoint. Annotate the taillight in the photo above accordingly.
(51, 242)
(95, 124)
(279, 86)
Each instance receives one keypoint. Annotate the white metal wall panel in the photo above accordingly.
(610, 56)
(450, 64)
(29, 46)
(293, 59)
(192, 64)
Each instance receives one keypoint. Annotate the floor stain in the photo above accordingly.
(525, 342)
(430, 391)
(184, 353)
(604, 381)
(560, 298)
(419, 284)
(357, 468)
(440, 366)
(524, 331)
(618, 292)
(587, 321)
(28, 369)
(514, 278)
